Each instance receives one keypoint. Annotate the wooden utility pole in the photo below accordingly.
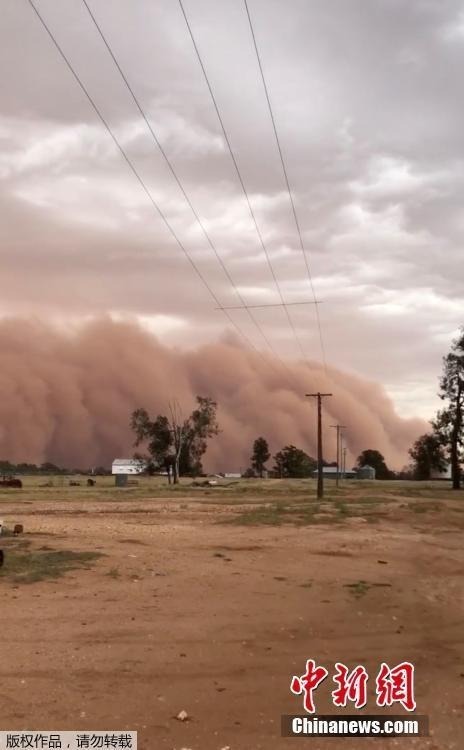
(338, 427)
(320, 474)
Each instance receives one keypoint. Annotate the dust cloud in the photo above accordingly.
(67, 397)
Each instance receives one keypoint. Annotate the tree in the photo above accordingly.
(407, 473)
(428, 455)
(158, 436)
(449, 421)
(260, 455)
(179, 429)
(201, 426)
(375, 459)
(49, 468)
(25, 468)
(7, 468)
(100, 471)
(293, 462)
(174, 443)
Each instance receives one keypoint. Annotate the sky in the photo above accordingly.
(368, 106)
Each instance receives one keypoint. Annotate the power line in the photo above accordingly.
(269, 304)
(242, 184)
(139, 178)
(180, 185)
(287, 182)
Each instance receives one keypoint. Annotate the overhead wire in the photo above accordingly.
(242, 183)
(181, 187)
(142, 183)
(287, 182)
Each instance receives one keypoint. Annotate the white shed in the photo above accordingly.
(128, 466)
(446, 474)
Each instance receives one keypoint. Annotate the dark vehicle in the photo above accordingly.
(10, 482)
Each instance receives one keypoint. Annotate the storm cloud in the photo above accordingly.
(68, 397)
(368, 103)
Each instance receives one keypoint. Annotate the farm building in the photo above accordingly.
(128, 466)
(365, 472)
(446, 474)
(330, 472)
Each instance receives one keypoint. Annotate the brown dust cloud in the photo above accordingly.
(67, 397)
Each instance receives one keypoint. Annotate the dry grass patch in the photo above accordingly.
(22, 565)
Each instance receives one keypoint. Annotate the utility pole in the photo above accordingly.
(343, 455)
(320, 475)
(338, 427)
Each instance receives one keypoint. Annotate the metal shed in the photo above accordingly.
(366, 472)
(128, 466)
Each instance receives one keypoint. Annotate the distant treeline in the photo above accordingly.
(7, 468)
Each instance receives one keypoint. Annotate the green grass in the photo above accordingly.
(271, 502)
(342, 508)
(373, 499)
(424, 507)
(6, 532)
(279, 513)
(425, 490)
(358, 589)
(114, 573)
(300, 511)
(267, 515)
(148, 488)
(34, 487)
(22, 566)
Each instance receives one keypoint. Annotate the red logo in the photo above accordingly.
(308, 683)
(352, 686)
(393, 685)
(396, 685)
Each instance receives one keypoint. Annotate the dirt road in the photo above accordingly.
(184, 613)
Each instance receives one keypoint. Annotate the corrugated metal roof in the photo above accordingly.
(333, 470)
(128, 466)
(127, 461)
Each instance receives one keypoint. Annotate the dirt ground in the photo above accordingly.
(211, 603)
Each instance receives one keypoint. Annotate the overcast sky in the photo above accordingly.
(367, 98)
